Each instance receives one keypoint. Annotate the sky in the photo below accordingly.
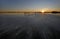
(27, 5)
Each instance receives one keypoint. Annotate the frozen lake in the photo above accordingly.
(11, 25)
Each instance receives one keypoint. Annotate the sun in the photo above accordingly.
(42, 11)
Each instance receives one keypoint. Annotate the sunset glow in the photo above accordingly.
(30, 5)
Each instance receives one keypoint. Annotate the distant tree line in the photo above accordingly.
(55, 12)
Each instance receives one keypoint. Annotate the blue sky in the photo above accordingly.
(29, 4)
